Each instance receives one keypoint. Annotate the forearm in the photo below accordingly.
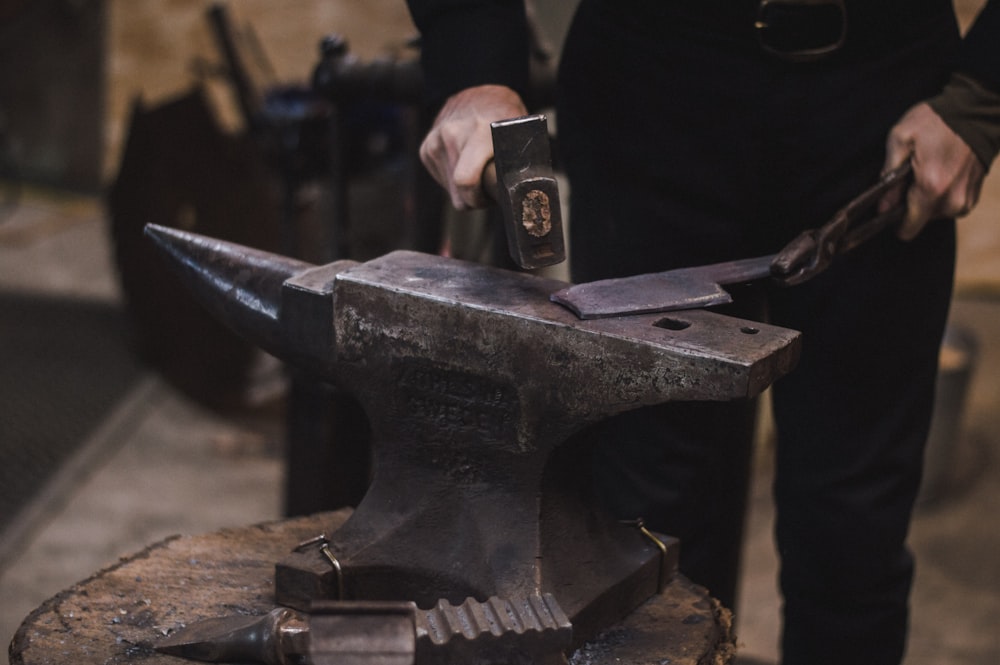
(467, 43)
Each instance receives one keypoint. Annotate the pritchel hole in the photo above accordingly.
(747, 330)
(672, 324)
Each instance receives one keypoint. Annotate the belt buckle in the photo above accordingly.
(801, 30)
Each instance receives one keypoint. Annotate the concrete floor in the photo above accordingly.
(160, 464)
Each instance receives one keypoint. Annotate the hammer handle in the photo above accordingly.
(491, 184)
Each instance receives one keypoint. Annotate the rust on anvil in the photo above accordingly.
(536, 213)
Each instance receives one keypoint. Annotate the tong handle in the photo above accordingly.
(812, 251)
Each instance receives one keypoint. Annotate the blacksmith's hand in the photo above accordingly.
(947, 175)
(460, 144)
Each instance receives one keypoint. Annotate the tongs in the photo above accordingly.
(803, 258)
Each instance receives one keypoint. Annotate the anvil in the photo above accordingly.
(474, 382)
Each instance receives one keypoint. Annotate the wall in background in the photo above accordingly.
(52, 55)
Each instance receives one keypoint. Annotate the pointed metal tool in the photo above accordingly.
(272, 639)
(373, 633)
(533, 628)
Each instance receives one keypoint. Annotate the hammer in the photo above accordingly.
(521, 181)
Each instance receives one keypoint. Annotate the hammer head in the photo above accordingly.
(527, 191)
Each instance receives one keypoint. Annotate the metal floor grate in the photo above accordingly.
(64, 364)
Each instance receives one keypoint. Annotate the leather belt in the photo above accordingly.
(801, 30)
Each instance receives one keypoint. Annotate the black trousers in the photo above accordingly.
(684, 147)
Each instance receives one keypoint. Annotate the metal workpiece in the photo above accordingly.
(473, 381)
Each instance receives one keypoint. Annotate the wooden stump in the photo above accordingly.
(119, 614)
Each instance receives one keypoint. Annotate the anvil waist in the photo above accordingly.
(870, 27)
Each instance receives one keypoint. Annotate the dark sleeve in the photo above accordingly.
(972, 110)
(465, 43)
(981, 47)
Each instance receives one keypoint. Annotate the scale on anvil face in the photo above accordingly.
(478, 531)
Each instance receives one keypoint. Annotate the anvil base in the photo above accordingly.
(120, 613)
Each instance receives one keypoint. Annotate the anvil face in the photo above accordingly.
(473, 380)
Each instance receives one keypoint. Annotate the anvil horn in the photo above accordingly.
(239, 285)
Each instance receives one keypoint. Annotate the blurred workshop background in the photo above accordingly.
(126, 416)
